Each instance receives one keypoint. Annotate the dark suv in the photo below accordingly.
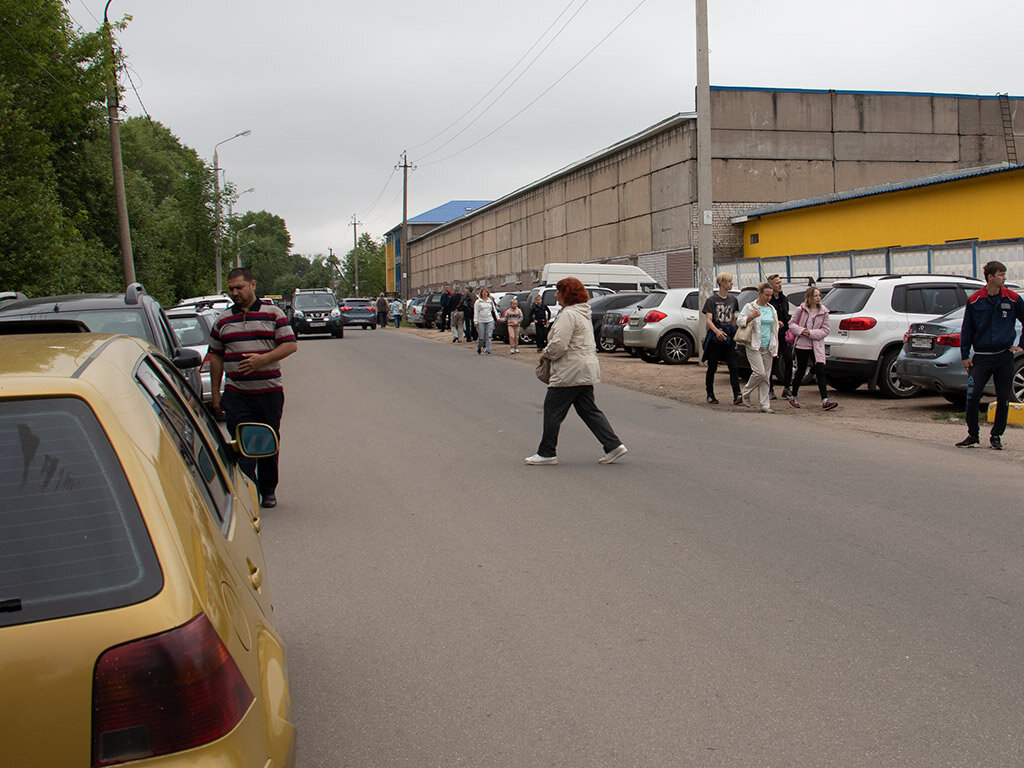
(134, 313)
(315, 310)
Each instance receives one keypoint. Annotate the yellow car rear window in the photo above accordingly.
(72, 539)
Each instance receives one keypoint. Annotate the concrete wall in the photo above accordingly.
(768, 147)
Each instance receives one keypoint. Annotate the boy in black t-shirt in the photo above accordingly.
(720, 312)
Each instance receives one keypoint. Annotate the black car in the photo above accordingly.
(359, 312)
(133, 313)
(599, 305)
(501, 325)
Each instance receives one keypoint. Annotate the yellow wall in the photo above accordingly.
(985, 207)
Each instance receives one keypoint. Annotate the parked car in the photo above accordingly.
(193, 327)
(599, 305)
(315, 310)
(414, 311)
(133, 312)
(136, 619)
(930, 359)
(548, 294)
(359, 312)
(666, 326)
(217, 302)
(868, 317)
(612, 323)
(501, 326)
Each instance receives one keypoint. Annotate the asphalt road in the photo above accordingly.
(732, 593)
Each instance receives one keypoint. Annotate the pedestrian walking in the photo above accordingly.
(720, 312)
(540, 316)
(248, 341)
(810, 326)
(486, 313)
(783, 364)
(468, 307)
(989, 328)
(574, 372)
(513, 316)
(762, 347)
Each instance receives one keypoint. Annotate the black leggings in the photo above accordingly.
(803, 356)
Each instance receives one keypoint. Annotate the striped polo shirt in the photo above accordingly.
(238, 332)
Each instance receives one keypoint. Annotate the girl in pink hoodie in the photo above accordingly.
(810, 326)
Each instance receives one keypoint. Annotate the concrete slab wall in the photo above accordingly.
(768, 147)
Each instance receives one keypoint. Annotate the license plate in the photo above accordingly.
(921, 343)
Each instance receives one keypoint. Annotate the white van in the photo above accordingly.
(617, 277)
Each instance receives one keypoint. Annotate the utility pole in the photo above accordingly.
(113, 118)
(355, 252)
(705, 198)
(406, 261)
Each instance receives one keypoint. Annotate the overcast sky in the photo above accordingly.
(335, 91)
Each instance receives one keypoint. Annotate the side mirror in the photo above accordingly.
(255, 441)
(187, 358)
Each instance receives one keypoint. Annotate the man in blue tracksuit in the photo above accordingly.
(988, 326)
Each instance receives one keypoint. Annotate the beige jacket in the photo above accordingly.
(572, 350)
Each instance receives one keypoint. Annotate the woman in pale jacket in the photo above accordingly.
(763, 344)
(574, 372)
(810, 326)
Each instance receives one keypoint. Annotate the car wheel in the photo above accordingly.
(605, 344)
(1017, 396)
(675, 348)
(889, 382)
(649, 355)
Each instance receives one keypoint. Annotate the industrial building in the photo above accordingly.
(635, 202)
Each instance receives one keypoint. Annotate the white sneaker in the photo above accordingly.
(612, 455)
(537, 459)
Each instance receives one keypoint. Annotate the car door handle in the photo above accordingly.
(255, 575)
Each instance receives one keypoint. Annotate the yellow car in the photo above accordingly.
(135, 621)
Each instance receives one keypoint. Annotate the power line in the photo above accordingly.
(507, 73)
(546, 91)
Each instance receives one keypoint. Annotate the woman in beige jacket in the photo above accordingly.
(574, 372)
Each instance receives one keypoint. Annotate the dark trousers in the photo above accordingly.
(263, 409)
(999, 368)
(783, 367)
(725, 353)
(803, 357)
(540, 332)
(556, 405)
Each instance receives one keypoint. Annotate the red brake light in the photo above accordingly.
(857, 324)
(948, 340)
(165, 693)
(655, 316)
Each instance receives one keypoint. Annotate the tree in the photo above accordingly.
(370, 254)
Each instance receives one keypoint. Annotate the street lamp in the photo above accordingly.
(216, 186)
(239, 246)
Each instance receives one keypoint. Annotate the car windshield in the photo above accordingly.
(845, 299)
(73, 539)
(192, 331)
(314, 301)
(653, 299)
(126, 321)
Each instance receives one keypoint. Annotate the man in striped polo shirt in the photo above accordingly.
(248, 342)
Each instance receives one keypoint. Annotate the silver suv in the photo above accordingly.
(665, 326)
(869, 316)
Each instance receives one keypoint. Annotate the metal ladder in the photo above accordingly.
(1011, 144)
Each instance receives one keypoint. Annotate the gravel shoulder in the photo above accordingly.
(927, 417)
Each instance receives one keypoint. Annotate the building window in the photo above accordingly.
(753, 239)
